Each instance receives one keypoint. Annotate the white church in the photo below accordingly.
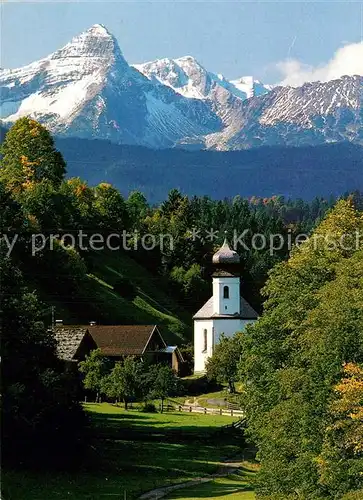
(226, 312)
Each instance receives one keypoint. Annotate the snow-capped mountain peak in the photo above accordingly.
(250, 86)
(59, 83)
(184, 75)
(190, 79)
(96, 44)
(315, 113)
(99, 29)
(87, 89)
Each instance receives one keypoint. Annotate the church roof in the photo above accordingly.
(225, 255)
(223, 273)
(206, 312)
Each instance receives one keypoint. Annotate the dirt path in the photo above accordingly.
(189, 402)
(225, 469)
(217, 403)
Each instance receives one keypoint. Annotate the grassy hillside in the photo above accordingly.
(97, 300)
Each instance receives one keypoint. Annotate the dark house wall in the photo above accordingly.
(86, 346)
(156, 343)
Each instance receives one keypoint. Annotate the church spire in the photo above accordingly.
(225, 255)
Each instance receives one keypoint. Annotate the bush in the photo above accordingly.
(149, 408)
(200, 385)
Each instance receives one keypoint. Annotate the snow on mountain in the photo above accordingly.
(58, 83)
(315, 113)
(251, 87)
(87, 89)
(188, 77)
(192, 81)
(178, 74)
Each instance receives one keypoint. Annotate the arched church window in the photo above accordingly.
(226, 292)
(205, 340)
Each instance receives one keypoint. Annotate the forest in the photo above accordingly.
(301, 364)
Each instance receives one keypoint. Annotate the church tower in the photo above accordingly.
(226, 281)
(226, 312)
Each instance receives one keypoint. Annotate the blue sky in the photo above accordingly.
(234, 38)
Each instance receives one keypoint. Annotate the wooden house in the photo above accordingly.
(116, 342)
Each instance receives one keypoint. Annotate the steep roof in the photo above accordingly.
(69, 338)
(225, 255)
(123, 340)
(206, 312)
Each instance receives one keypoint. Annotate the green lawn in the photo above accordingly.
(132, 452)
(169, 420)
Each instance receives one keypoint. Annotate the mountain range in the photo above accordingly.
(88, 90)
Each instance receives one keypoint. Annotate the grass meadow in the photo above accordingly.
(131, 452)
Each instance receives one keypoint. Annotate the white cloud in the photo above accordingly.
(347, 60)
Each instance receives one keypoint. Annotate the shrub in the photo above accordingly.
(149, 408)
(200, 385)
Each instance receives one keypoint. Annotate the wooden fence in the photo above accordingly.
(211, 411)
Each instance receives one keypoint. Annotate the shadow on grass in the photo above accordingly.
(135, 452)
(131, 415)
(215, 489)
(181, 427)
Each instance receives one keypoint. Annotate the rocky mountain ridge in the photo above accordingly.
(87, 89)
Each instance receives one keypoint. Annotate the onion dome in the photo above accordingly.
(226, 255)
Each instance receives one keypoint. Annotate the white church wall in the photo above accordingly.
(200, 353)
(229, 327)
(215, 328)
(230, 305)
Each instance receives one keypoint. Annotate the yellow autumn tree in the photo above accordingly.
(29, 156)
(348, 408)
(341, 460)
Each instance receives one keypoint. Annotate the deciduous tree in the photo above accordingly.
(291, 359)
(42, 421)
(124, 381)
(222, 366)
(162, 383)
(93, 369)
(29, 156)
